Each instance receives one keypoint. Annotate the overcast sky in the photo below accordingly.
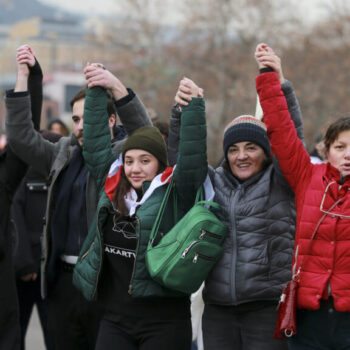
(110, 7)
(310, 8)
(101, 7)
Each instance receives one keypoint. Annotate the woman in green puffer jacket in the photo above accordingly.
(140, 313)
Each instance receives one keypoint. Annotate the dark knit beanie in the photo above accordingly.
(247, 128)
(149, 139)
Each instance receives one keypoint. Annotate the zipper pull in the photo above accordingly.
(185, 252)
(203, 232)
(187, 249)
(195, 258)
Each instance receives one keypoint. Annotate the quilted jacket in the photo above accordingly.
(324, 261)
(189, 175)
(260, 215)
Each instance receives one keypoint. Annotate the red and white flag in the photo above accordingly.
(131, 201)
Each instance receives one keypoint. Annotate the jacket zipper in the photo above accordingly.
(136, 252)
(87, 252)
(100, 249)
(234, 243)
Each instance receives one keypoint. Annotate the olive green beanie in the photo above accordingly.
(149, 139)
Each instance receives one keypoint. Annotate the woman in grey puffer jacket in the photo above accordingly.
(257, 205)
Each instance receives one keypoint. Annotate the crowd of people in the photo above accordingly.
(78, 210)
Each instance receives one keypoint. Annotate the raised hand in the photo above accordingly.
(25, 58)
(97, 75)
(266, 57)
(187, 89)
(25, 55)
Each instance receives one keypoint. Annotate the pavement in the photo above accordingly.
(34, 337)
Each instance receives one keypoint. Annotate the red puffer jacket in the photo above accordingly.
(326, 259)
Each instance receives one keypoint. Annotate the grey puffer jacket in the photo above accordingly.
(258, 250)
(260, 215)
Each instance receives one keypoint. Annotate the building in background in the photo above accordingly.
(63, 42)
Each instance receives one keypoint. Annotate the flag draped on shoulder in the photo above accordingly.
(131, 199)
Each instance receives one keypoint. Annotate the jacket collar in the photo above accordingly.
(333, 174)
(132, 202)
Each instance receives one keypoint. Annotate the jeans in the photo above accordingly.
(225, 329)
(323, 329)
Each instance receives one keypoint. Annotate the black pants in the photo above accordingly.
(9, 323)
(323, 329)
(73, 321)
(9, 316)
(28, 296)
(224, 329)
(119, 332)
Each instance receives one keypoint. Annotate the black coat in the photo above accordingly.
(12, 170)
(28, 210)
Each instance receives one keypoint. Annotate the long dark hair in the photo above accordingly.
(118, 199)
(123, 188)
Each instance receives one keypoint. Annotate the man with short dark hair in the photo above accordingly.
(72, 201)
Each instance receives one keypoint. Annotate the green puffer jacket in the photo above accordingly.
(189, 175)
